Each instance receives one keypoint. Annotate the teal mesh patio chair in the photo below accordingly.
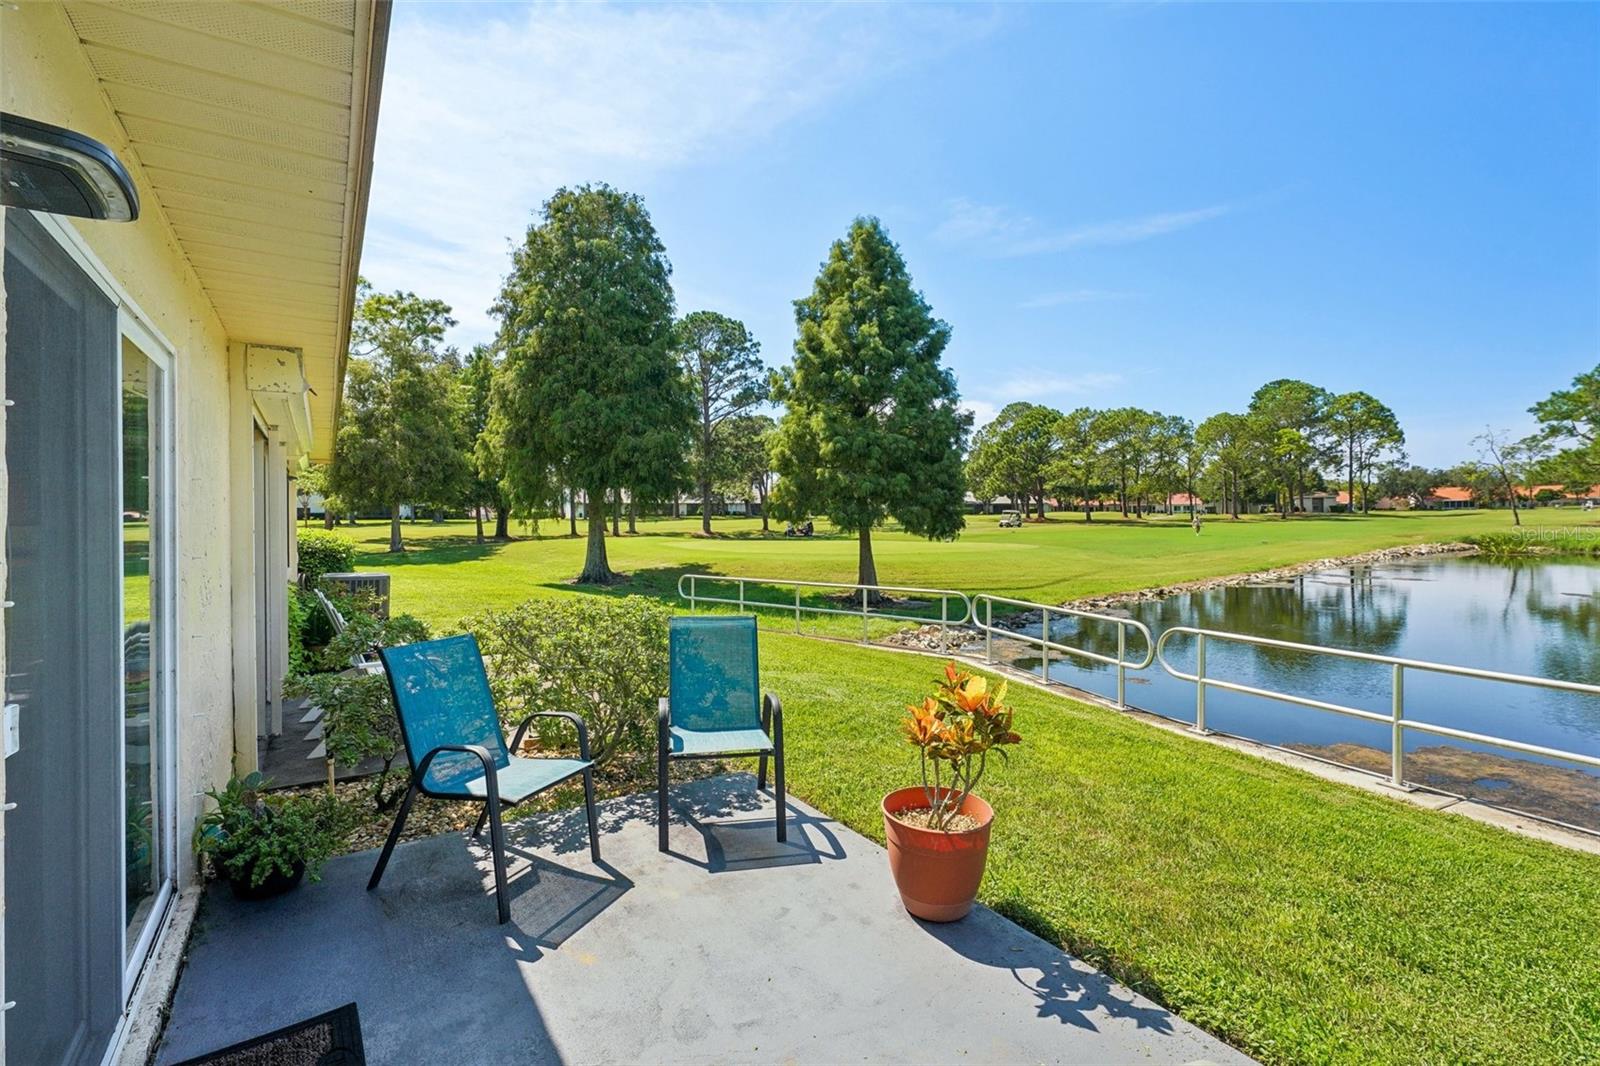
(714, 709)
(457, 750)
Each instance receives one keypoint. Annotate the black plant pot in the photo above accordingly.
(274, 884)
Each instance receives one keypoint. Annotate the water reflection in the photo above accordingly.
(1526, 617)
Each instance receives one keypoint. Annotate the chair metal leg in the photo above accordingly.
(661, 786)
(497, 843)
(761, 773)
(394, 836)
(777, 773)
(594, 822)
(482, 817)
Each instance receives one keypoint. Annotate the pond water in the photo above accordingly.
(1538, 617)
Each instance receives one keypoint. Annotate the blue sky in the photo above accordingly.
(1157, 204)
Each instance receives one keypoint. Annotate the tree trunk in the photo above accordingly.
(1351, 474)
(866, 569)
(596, 570)
(616, 509)
(762, 492)
(633, 516)
(395, 544)
(502, 524)
(477, 512)
(704, 473)
(327, 516)
(572, 512)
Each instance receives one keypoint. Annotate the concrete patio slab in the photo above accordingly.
(730, 948)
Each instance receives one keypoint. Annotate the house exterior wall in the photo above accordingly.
(48, 78)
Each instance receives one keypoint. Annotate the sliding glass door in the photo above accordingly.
(89, 854)
(146, 760)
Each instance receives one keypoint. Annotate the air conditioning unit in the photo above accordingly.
(365, 585)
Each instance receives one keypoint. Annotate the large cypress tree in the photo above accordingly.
(872, 428)
(590, 393)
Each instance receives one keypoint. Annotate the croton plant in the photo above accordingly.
(954, 730)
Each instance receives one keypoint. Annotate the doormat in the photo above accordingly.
(331, 1039)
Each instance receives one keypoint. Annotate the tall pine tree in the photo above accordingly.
(872, 429)
(399, 437)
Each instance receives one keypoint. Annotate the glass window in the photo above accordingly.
(143, 631)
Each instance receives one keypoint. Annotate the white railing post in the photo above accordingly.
(1397, 738)
(988, 631)
(797, 608)
(691, 594)
(863, 614)
(1200, 684)
(944, 620)
(1044, 636)
(741, 595)
(1122, 666)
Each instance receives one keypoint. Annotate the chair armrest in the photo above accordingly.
(490, 781)
(583, 730)
(773, 714)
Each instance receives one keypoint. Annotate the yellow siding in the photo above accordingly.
(48, 78)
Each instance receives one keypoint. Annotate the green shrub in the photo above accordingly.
(358, 718)
(249, 836)
(322, 552)
(602, 659)
(302, 608)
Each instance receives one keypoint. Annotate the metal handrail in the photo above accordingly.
(1396, 718)
(866, 611)
(1123, 624)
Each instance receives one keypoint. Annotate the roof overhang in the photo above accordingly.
(254, 126)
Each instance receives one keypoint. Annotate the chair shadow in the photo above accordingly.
(1064, 988)
(743, 843)
(752, 844)
(549, 901)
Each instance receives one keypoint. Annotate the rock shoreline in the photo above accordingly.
(937, 638)
(1281, 573)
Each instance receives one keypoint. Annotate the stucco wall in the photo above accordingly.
(46, 77)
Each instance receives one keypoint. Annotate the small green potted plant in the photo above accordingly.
(938, 832)
(264, 845)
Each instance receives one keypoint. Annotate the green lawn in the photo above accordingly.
(446, 576)
(1300, 920)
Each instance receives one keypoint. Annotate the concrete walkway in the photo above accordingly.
(731, 948)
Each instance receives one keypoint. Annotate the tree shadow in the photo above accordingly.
(434, 550)
(657, 582)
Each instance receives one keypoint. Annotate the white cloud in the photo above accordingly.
(1005, 233)
(1040, 386)
(982, 411)
(486, 111)
(1070, 296)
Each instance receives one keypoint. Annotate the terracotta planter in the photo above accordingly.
(937, 873)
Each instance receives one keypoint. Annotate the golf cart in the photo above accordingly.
(1010, 519)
